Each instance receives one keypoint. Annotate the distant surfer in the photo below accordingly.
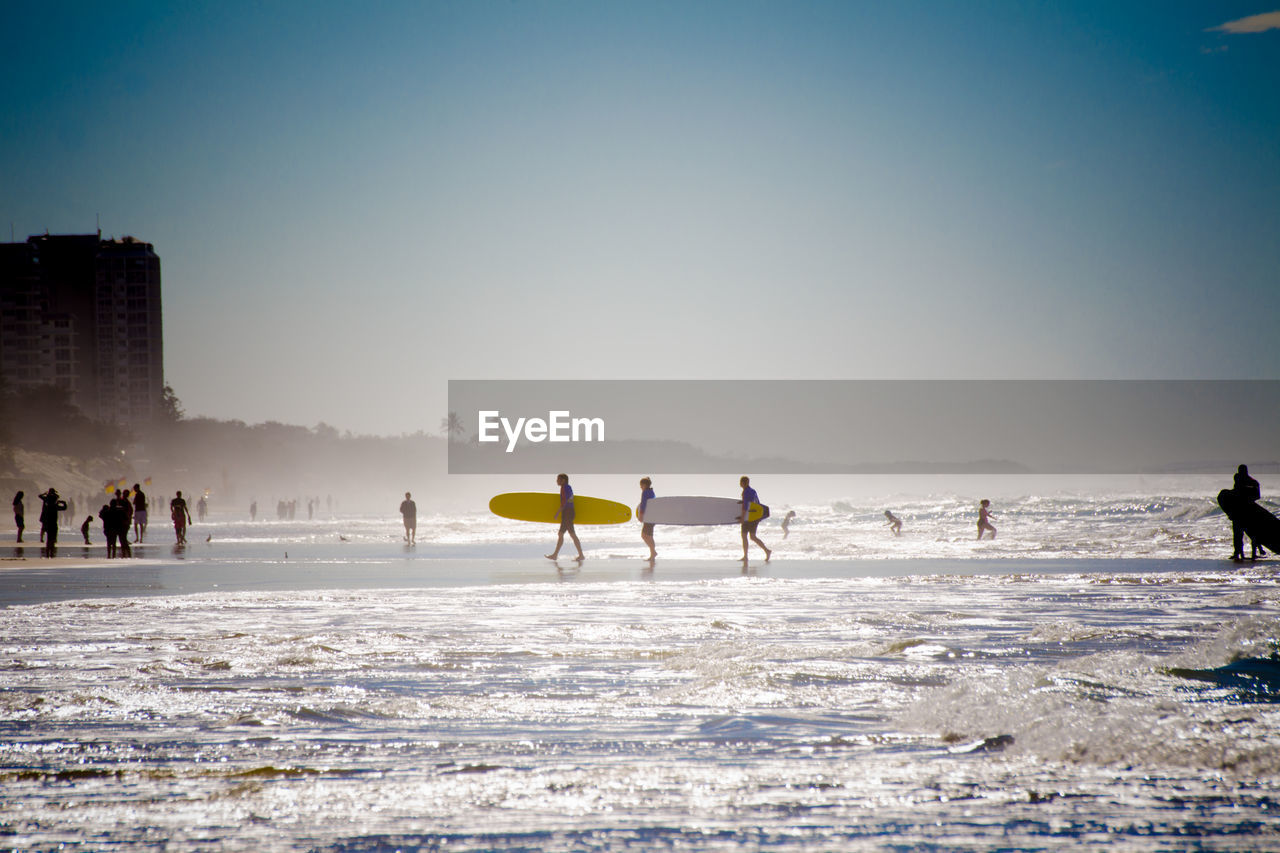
(1247, 489)
(565, 514)
(749, 497)
(984, 519)
(181, 516)
(409, 510)
(895, 524)
(646, 532)
(786, 523)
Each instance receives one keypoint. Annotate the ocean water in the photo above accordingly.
(1099, 675)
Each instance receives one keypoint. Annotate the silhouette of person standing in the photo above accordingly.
(181, 517)
(409, 510)
(1247, 489)
(108, 529)
(51, 505)
(19, 514)
(139, 513)
(120, 521)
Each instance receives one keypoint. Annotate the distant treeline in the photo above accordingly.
(239, 462)
(236, 462)
(44, 419)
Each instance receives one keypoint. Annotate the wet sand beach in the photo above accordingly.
(159, 571)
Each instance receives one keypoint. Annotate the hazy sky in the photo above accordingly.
(356, 202)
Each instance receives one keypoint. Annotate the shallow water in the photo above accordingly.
(469, 695)
(948, 711)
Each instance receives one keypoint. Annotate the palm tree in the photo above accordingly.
(452, 426)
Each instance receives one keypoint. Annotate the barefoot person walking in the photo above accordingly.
(181, 517)
(565, 514)
(646, 531)
(749, 497)
(409, 510)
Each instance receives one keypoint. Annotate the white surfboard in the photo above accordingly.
(698, 510)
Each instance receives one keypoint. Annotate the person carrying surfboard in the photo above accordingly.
(1249, 490)
(565, 514)
(646, 532)
(749, 497)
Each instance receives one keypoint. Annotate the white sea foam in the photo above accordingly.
(927, 702)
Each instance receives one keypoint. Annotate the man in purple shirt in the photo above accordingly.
(749, 497)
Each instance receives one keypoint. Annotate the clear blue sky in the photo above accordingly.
(357, 202)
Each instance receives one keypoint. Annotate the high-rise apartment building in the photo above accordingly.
(84, 313)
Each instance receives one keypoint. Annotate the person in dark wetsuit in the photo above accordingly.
(1248, 489)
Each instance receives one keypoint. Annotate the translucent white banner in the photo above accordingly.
(861, 426)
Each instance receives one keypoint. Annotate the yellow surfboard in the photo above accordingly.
(542, 506)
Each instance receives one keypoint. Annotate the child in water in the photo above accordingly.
(84, 529)
(895, 523)
(984, 519)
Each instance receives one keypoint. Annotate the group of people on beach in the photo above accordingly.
(51, 503)
(117, 516)
(127, 508)
(747, 525)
